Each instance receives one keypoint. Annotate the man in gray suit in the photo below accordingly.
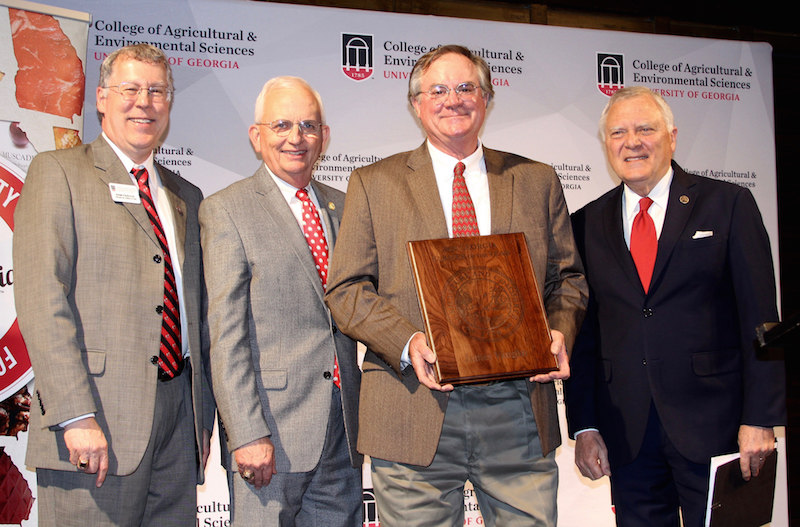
(425, 439)
(287, 416)
(109, 295)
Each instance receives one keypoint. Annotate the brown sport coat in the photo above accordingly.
(372, 296)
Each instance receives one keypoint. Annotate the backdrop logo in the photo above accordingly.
(357, 56)
(610, 73)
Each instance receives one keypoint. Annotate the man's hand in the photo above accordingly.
(256, 461)
(755, 444)
(558, 348)
(88, 448)
(591, 455)
(422, 359)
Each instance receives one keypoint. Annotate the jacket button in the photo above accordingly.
(647, 312)
(157, 258)
(159, 309)
(335, 330)
(154, 359)
(327, 375)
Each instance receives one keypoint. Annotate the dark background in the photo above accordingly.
(764, 21)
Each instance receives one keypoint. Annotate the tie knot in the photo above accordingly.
(644, 204)
(302, 195)
(459, 170)
(140, 174)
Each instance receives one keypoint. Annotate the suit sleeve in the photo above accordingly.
(565, 290)
(754, 284)
(45, 252)
(353, 297)
(580, 387)
(228, 284)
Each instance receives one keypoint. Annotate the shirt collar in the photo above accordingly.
(659, 195)
(444, 163)
(129, 164)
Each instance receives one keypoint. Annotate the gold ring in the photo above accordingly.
(248, 475)
(82, 465)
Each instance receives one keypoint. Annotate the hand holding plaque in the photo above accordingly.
(483, 312)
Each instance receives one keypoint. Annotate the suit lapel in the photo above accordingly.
(178, 206)
(275, 206)
(501, 187)
(109, 169)
(327, 213)
(682, 198)
(425, 195)
(615, 238)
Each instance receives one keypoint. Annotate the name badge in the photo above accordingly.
(124, 193)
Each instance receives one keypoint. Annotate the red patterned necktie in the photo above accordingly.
(315, 236)
(464, 221)
(644, 243)
(170, 357)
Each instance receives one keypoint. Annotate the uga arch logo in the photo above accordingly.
(610, 72)
(357, 56)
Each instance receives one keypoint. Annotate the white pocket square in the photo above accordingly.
(702, 234)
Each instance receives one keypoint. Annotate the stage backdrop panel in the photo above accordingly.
(551, 84)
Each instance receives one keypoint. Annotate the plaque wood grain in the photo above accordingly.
(482, 309)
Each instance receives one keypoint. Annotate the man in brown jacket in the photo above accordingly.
(426, 439)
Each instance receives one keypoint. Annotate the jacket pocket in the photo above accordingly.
(95, 361)
(716, 362)
(273, 379)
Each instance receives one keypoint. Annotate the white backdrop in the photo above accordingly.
(550, 84)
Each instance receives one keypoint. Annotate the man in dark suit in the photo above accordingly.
(286, 380)
(665, 374)
(109, 295)
(425, 439)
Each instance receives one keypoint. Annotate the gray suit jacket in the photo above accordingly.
(273, 340)
(88, 278)
(372, 296)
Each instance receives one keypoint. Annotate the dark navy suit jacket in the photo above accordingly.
(686, 345)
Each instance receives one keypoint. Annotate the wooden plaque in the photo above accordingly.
(482, 308)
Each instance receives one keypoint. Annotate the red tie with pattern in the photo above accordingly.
(464, 220)
(170, 357)
(315, 236)
(644, 243)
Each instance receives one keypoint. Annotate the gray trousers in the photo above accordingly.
(490, 438)
(328, 496)
(161, 492)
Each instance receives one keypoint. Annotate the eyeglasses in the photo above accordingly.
(130, 91)
(463, 90)
(283, 127)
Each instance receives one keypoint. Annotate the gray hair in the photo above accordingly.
(631, 92)
(425, 61)
(141, 52)
(285, 81)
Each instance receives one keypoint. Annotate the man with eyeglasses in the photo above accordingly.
(109, 295)
(285, 378)
(425, 440)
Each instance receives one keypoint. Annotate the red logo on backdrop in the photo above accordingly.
(610, 73)
(357, 56)
(15, 366)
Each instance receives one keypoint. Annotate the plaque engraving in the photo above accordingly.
(483, 312)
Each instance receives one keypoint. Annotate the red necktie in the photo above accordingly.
(315, 236)
(644, 243)
(170, 357)
(464, 220)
